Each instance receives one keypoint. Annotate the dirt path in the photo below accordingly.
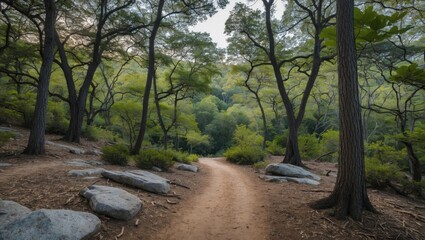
(228, 207)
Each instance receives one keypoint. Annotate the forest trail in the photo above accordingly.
(229, 207)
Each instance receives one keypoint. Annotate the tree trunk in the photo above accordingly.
(292, 154)
(149, 79)
(349, 196)
(414, 163)
(37, 136)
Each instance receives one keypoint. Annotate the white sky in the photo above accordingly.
(215, 25)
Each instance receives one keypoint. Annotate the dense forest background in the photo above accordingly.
(131, 72)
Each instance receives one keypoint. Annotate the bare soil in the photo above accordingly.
(222, 201)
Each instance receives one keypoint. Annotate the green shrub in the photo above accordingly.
(192, 158)
(149, 158)
(379, 175)
(116, 154)
(245, 155)
(5, 137)
(330, 144)
(309, 146)
(94, 133)
(276, 147)
(261, 164)
(55, 118)
(386, 154)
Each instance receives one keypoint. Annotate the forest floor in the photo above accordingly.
(221, 201)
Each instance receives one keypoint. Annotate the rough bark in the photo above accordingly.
(37, 136)
(349, 196)
(149, 79)
(414, 163)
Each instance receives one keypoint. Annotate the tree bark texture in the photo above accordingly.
(37, 136)
(349, 196)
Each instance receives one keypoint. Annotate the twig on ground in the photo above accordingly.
(171, 202)
(136, 223)
(180, 185)
(121, 233)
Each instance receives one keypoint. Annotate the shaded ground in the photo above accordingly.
(224, 201)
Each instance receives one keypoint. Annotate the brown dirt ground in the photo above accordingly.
(222, 201)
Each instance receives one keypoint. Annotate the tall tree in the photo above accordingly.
(265, 35)
(183, 12)
(111, 20)
(36, 139)
(349, 196)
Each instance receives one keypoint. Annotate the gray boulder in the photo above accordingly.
(187, 167)
(10, 211)
(280, 179)
(112, 202)
(85, 172)
(289, 170)
(52, 225)
(140, 179)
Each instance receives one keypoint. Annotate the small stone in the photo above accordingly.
(156, 169)
(5, 164)
(187, 167)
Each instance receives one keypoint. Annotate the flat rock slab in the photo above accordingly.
(83, 163)
(71, 149)
(10, 211)
(52, 224)
(78, 163)
(280, 179)
(141, 179)
(289, 170)
(112, 202)
(85, 172)
(5, 164)
(187, 167)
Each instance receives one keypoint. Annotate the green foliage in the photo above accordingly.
(244, 155)
(192, 158)
(309, 146)
(386, 154)
(411, 74)
(379, 175)
(116, 154)
(17, 108)
(247, 148)
(261, 164)
(149, 158)
(94, 133)
(370, 27)
(56, 121)
(5, 136)
(330, 144)
(276, 146)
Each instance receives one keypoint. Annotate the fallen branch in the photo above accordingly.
(324, 155)
(69, 200)
(416, 216)
(180, 185)
(171, 202)
(121, 233)
(160, 205)
(170, 195)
